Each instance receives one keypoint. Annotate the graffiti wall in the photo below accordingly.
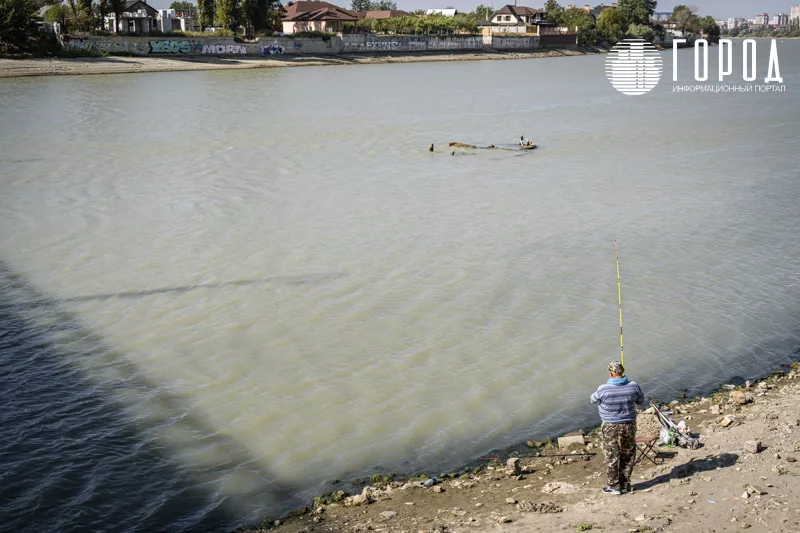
(274, 46)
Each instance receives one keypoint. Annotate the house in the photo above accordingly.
(138, 17)
(517, 16)
(316, 16)
(445, 12)
(177, 20)
(387, 14)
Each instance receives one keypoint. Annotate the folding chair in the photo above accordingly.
(644, 449)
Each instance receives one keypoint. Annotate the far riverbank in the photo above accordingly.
(127, 65)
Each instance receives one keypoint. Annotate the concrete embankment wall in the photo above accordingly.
(266, 46)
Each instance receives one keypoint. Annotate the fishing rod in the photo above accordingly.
(619, 297)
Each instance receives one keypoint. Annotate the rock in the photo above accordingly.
(790, 459)
(753, 489)
(566, 442)
(641, 518)
(512, 467)
(714, 410)
(559, 487)
(656, 523)
(726, 421)
(753, 446)
(740, 397)
(502, 519)
(438, 488)
(277, 523)
(511, 500)
(546, 506)
(360, 499)
(388, 515)
(675, 482)
(650, 411)
(747, 384)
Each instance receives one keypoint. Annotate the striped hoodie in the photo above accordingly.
(617, 400)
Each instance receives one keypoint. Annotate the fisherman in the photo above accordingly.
(522, 140)
(617, 400)
(430, 148)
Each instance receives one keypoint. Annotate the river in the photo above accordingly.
(219, 291)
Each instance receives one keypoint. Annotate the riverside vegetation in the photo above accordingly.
(745, 475)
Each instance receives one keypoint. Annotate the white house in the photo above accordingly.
(172, 20)
(138, 17)
(445, 12)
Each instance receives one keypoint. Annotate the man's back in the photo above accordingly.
(617, 400)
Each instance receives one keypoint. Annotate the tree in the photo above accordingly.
(609, 25)
(360, 5)
(382, 5)
(640, 31)
(636, 11)
(259, 14)
(553, 11)
(16, 18)
(228, 14)
(685, 19)
(205, 13)
(118, 8)
(483, 12)
(182, 6)
(710, 27)
(57, 13)
(583, 21)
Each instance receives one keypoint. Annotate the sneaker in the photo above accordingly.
(611, 490)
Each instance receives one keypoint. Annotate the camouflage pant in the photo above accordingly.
(619, 449)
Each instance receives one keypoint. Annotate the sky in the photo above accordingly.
(719, 9)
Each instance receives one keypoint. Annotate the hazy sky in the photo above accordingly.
(719, 9)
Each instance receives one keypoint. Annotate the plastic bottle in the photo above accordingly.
(430, 482)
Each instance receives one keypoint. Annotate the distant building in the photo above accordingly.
(517, 15)
(138, 17)
(386, 14)
(794, 13)
(315, 16)
(662, 16)
(781, 20)
(445, 12)
(177, 20)
(762, 19)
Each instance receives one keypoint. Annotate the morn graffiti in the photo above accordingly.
(220, 49)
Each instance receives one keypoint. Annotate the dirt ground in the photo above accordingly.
(744, 476)
(119, 65)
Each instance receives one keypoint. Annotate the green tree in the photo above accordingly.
(228, 14)
(710, 27)
(685, 19)
(553, 12)
(16, 18)
(640, 31)
(260, 14)
(382, 5)
(360, 5)
(205, 13)
(57, 13)
(182, 6)
(484, 12)
(636, 11)
(609, 25)
(583, 21)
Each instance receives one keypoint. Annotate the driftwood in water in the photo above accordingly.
(462, 145)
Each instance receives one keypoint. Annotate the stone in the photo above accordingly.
(559, 487)
(715, 410)
(790, 459)
(650, 410)
(512, 501)
(753, 489)
(745, 495)
(512, 467)
(502, 519)
(726, 421)
(753, 446)
(566, 442)
(388, 515)
(438, 488)
(740, 397)
(546, 506)
(641, 518)
(661, 523)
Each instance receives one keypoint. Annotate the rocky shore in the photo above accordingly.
(744, 476)
(122, 65)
